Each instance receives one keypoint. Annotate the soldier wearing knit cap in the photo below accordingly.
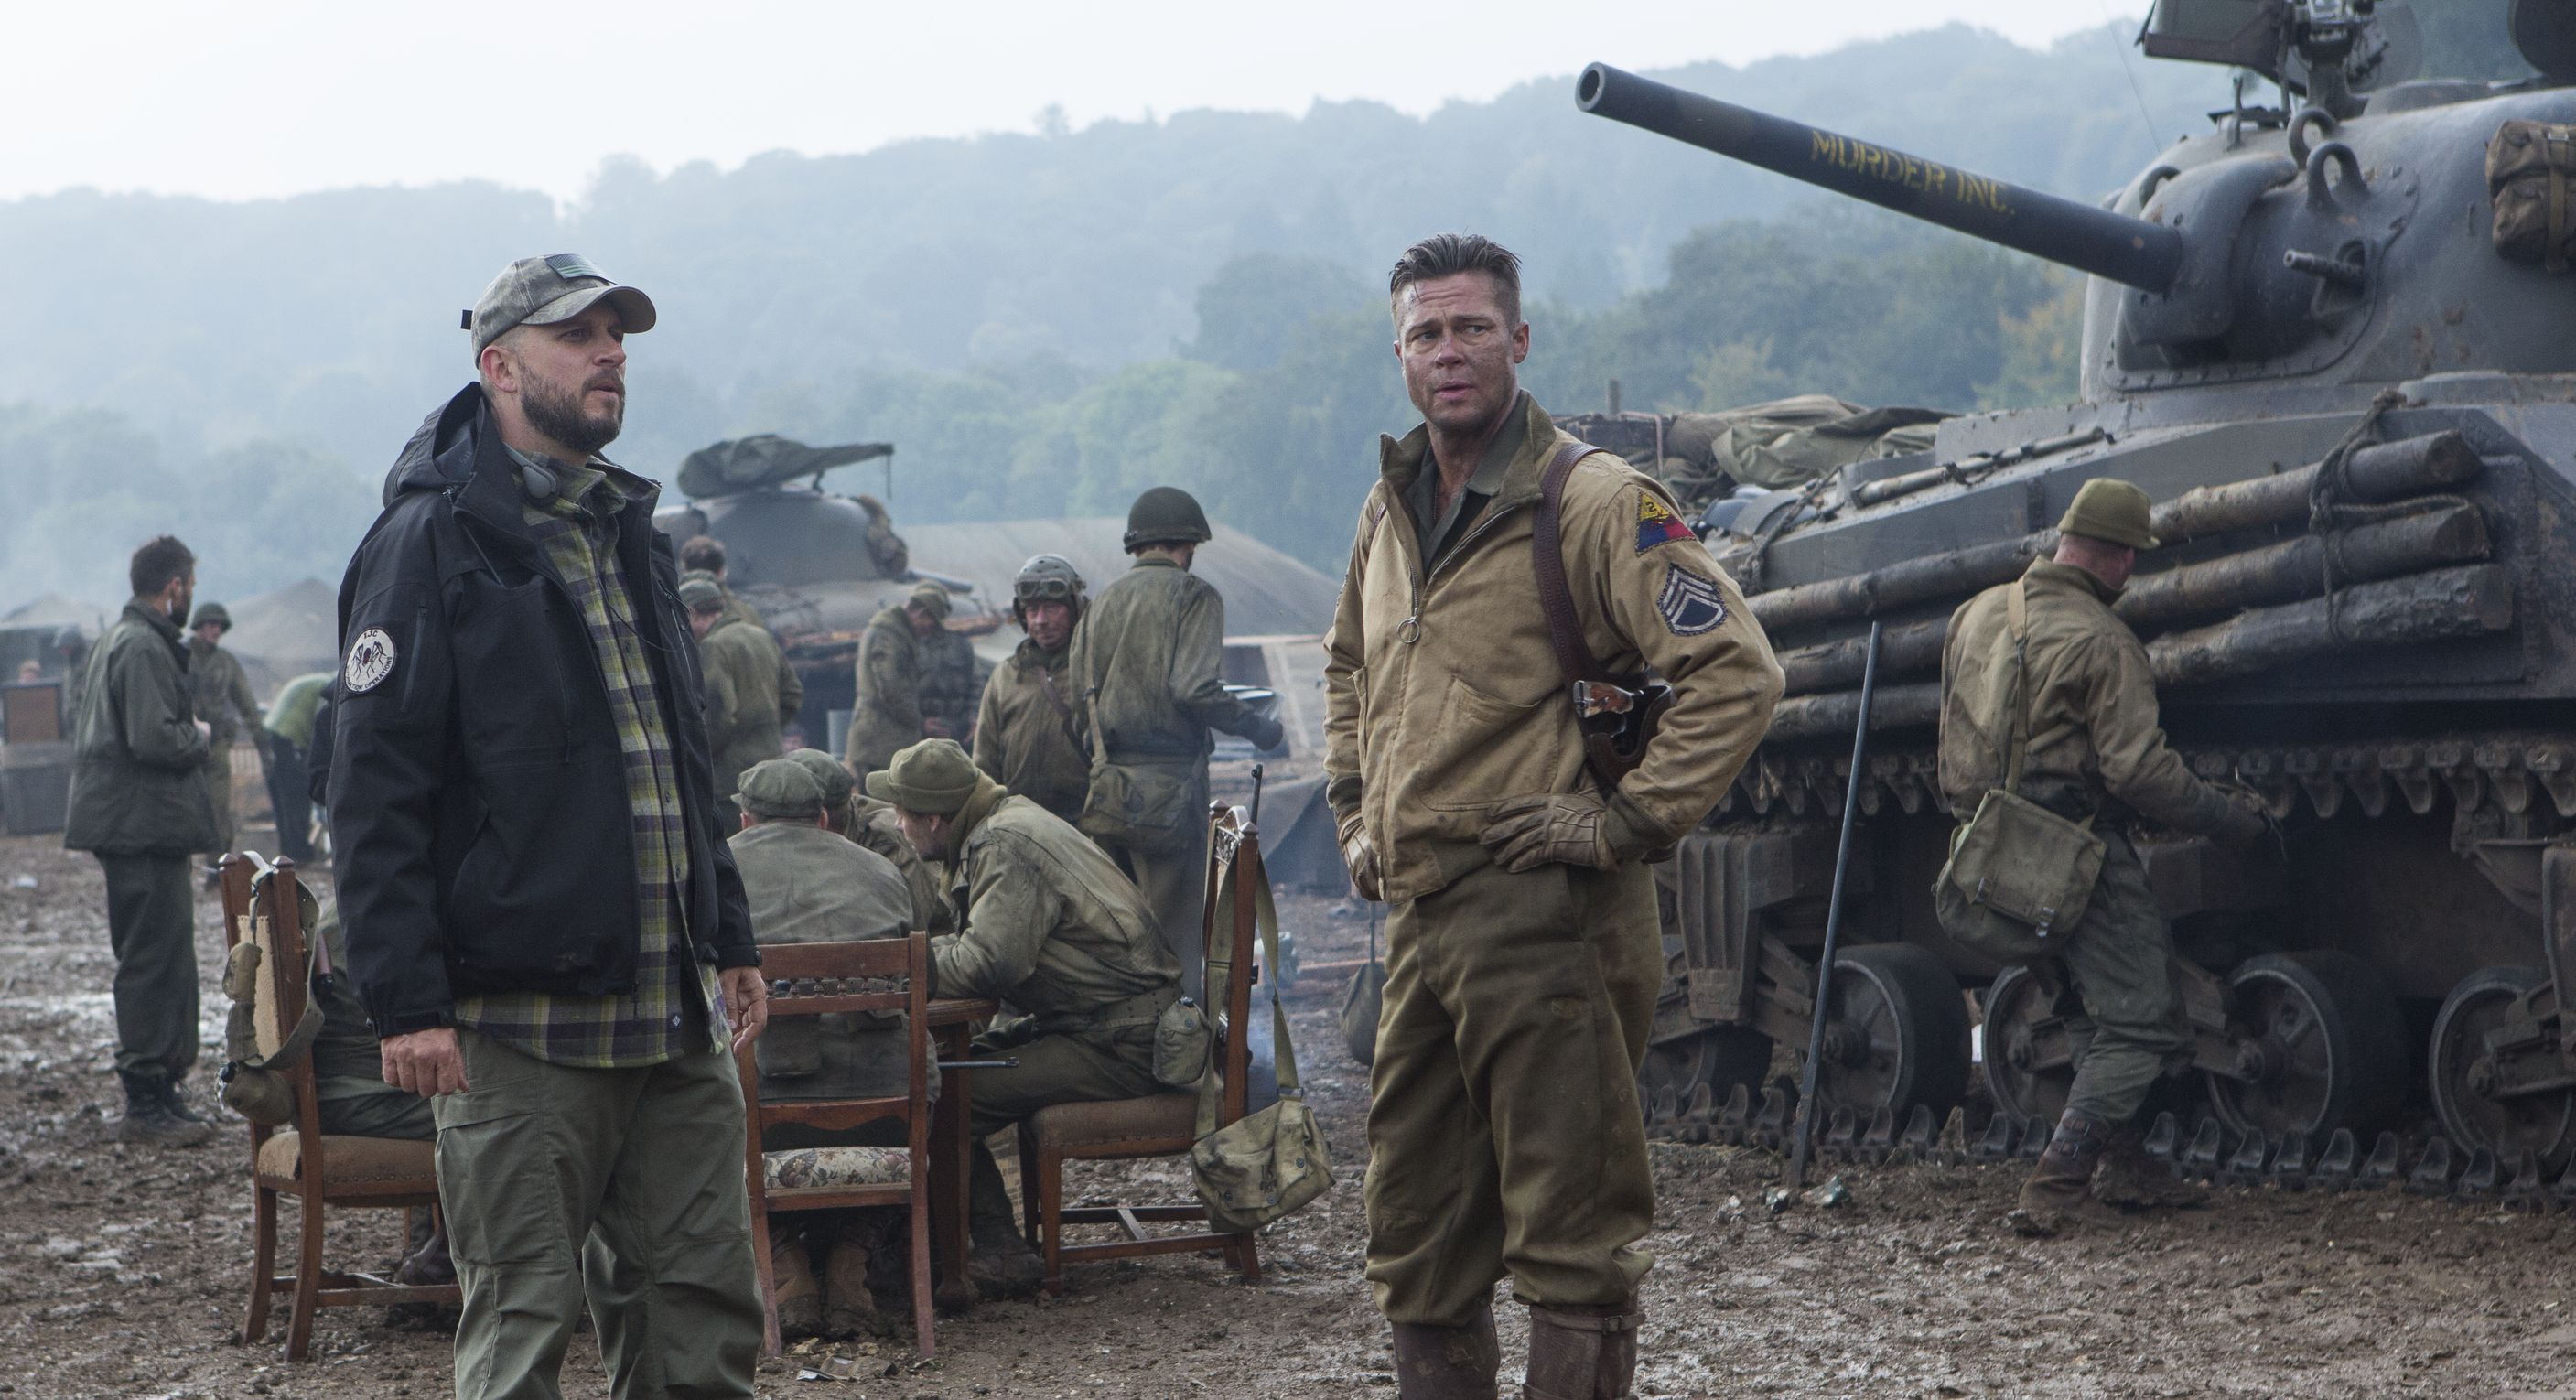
(1047, 923)
(885, 713)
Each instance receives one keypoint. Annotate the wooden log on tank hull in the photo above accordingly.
(2273, 574)
(2467, 601)
(2382, 472)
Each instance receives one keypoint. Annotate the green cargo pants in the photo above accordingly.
(2131, 1030)
(1503, 1125)
(354, 1107)
(1052, 1069)
(152, 928)
(1174, 884)
(624, 1183)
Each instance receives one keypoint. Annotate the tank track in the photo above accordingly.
(2512, 773)
(2207, 1151)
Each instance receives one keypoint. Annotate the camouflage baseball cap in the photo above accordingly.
(933, 776)
(777, 790)
(542, 291)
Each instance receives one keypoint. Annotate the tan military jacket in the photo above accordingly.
(885, 714)
(2094, 731)
(1444, 697)
(221, 692)
(873, 825)
(791, 687)
(807, 885)
(1148, 657)
(1047, 923)
(1028, 731)
(741, 666)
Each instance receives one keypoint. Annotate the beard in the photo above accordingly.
(557, 414)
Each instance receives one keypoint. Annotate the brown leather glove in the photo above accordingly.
(1564, 828)
(1360, 858)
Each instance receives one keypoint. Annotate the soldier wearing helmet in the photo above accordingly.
(1028, 733)
(221, 693)
(1146, 660)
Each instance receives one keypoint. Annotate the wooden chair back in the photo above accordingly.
(822, 979)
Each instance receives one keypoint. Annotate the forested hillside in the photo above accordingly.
(1042, 321)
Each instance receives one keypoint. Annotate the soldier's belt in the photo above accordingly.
(1142, 1009)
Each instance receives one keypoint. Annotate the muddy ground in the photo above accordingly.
(122, 1272)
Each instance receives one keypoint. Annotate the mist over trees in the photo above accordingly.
(1046, 322)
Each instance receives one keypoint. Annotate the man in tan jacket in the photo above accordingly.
(2093, 752)
(1523, 952)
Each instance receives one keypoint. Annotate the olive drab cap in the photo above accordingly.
(835, 779)
(934, 776)
(777, 790)
(699, 592)
(1165, 515)
(211, 612)
(542, 291)
(930, 598)
(2113, 510)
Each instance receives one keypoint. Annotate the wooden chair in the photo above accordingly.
(818, 979)
(1157, 1125)
(261, 905)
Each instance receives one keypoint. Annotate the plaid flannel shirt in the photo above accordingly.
(672, 1010)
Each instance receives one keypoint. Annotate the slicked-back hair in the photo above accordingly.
(161, 559)
(704, 552)
(1447, 255)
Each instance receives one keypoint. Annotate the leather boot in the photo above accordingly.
(2061, 1186)
(1448, 1363)
(149, 1121)
(800, 1300)
(849, 1309)
(999, 1260)
(1582, 1353)
(2132, 1179)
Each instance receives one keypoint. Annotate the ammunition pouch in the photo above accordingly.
(2529, 166)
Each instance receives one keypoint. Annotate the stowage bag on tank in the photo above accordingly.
(2529, 167)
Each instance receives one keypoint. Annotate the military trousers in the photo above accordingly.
(1174, 884)
(219, 783)
(1504, 1134)
(624, 1184)
(355, 1107)
(152, 928)
(2120, 964)
(289, 777)
(1053, 1069)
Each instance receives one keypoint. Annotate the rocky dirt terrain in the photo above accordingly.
(122, 1272)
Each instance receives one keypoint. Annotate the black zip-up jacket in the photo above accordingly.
(479, 815)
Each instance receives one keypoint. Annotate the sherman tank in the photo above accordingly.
(2335, 339)
(817, 566)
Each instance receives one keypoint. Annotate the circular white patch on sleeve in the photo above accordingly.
(371, 660)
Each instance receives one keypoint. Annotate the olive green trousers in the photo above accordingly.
(219, 784)
(152, 927)
(1504, 1134)
(2120, 964)
(1174, 884)
(625, 1184)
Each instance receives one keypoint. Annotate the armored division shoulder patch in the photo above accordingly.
(371, 659)
(1691, 604)
(1656, 523)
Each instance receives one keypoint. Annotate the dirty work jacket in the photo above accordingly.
(479, 808)
(807, 884)
(791, 687)
(138, 762)
(220, 691)
(1443, 695)
(1148, 657)
(1027, 731)
(1047, 923)
(2094, 731)
(741, 665)
(885, 714)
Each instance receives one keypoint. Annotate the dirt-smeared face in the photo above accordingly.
(1461, 351)
(1049, 621)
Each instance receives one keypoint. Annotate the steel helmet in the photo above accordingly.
(1165, 515)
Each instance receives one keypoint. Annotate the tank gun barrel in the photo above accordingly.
(2114, 246)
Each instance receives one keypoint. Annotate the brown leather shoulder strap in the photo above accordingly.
(1547, 556)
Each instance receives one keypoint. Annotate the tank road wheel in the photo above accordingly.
(2462, 1070)
(1720, 1057)
(1896, 1033)
(2019, 1008)
(2318, 1047)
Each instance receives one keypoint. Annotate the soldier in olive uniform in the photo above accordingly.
(706, 554)
(1028, 735)
(741, 666)
(871, 824)
(885, 715)
(1523, 951)
(140, 801)
(287, 759)
(952, 679)
(1046, 923)
(2094, 753)
(1148, 658)
(221, 694)
(808, 885)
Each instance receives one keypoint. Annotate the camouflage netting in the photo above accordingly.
(1784, 443)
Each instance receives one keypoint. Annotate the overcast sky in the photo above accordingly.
(248, 98)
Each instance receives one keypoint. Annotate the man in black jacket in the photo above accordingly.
(545, 924)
